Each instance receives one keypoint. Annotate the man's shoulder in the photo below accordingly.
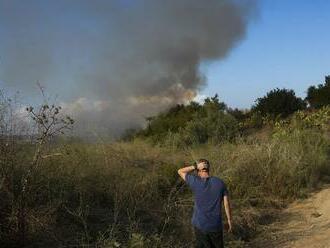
(217, 180)
(191, 179)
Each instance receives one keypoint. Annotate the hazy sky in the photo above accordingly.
(115, 62)
(287, 46)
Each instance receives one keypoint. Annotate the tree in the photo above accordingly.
(49, 122)
(240, 115)
(319, 96)
(278, 103)
(192, 124)
(169, 121)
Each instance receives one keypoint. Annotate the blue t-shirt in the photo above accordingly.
(209, 193)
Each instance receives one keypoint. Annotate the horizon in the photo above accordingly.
(262, 45)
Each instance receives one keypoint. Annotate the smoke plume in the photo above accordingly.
(114, 62)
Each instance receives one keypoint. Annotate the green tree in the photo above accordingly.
(192, 124)
(278, 103)
(171, 120)
(319, 96)
(239, 114)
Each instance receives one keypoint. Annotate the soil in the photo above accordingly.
(305, 223)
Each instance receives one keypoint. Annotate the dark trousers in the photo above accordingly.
(209, 239)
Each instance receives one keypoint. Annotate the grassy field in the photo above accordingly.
(128, 194)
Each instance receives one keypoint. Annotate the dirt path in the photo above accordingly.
(305, 223)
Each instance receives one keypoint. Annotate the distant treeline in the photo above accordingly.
(213, 121)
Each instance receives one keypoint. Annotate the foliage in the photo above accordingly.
(215, 127)
(254, 120)
(192, 124)
(169, 121)
(129, 194)
(239, 115)
(319, 96)
(16, 177)
(317, 120)
(278, 103)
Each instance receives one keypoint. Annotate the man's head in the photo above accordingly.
(203, 167)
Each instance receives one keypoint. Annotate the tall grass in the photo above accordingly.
(129, 194)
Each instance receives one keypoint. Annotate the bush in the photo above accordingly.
(278, 103)
(319, 96)
(128, 194)
(192, 124)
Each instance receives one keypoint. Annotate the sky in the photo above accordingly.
(286, 46)
(113, 63)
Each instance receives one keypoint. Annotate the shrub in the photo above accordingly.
(128, 194)
(279, 103)
(319, 96)
(192, 124)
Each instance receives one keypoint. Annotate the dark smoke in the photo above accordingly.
(115, 62)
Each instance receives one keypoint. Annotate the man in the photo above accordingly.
(209, 193)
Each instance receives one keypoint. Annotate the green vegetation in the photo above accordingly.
(319, 96)
(279, 103)
(128, 194)
(193, 124)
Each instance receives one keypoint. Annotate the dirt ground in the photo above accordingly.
(305, 223)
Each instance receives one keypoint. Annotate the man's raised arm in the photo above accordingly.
(183, 171)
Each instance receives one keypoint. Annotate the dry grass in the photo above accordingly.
(129, 194)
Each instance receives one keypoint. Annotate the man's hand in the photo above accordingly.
(230, 228)
(200, 166)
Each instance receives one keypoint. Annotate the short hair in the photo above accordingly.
(203, 160)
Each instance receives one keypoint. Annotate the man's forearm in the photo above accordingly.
(228, 211)
(183, 171)
(187, 169)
